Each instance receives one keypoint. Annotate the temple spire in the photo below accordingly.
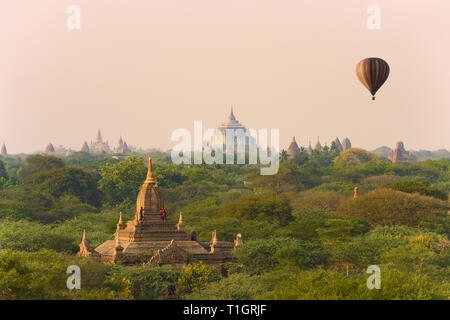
(214, 237)
(118, 245)
(180, 225)
(3, 150)
(85, 249)
(99, 136)
(149, 172)
(231, 116)
(120, 223)
(318, 146)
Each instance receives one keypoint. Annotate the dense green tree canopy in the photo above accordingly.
(354, 157)
(3, 173)
(304, 236)
(37, 164)
(268, 207)
(121, 181)
(69, 181)
(420, 187)
(388, 207)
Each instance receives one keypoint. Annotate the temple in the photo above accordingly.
(3, 150)
(338, 145)
(149, 239)
(234, 126)
(99, 146)
(318, 146)
(346, 144)
(293, 148)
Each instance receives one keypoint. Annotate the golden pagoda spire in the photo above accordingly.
(120, 223)
(149, 172)
(214, 237)
(180, 225)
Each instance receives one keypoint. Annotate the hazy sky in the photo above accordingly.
(144, 68)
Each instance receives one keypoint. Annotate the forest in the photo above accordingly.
(305, 235)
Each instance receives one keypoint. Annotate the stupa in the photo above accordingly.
(293, 148)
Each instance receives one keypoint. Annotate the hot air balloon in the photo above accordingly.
(372, 72)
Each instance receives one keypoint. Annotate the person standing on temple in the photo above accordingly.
(163, 214)
(141, 213)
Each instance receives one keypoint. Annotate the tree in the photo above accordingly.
(420, 187)
(354, 157)
(37, 164)
(196, 276)
(149, 282)
(122, 181)
(322, 285)
(3, 173)
(234, 287)
(168, 175)
(342, 229)
(283, 155)
(69, 181)
(275, 209)
(29, 236)
(264, 255)
(334, 148)
(42, 276)
(387, 207)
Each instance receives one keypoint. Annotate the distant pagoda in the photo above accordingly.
(399, 154)
(346, 144)
(338, 144)
(293, 148)
(122, 147)
(310, 149)
(85, 147)
(99, 146)
(3, 150)
(318, 146)
(49, 149)
(231, 124)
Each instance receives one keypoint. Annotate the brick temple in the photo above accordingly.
(149, 239)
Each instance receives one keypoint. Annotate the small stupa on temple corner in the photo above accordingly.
(150, 239)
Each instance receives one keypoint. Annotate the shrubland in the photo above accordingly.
(305, 236)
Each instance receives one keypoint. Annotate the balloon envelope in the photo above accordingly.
(372, 72)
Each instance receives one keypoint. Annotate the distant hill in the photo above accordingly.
(421, 155)
(383, 152)
(433, 155)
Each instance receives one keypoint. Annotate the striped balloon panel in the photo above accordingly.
(372, 72)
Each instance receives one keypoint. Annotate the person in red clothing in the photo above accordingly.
(141, 213)
(163, 214)
(355, 194)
